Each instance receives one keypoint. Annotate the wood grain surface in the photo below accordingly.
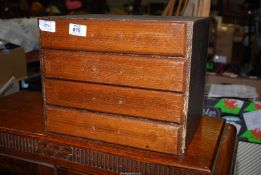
(11, 165)
(227, 159)
(212, 142)
(124, 36)
(64, 171)
(143, 67)
(142, 103)
(154, 136)
(127, 70)
(9, 108)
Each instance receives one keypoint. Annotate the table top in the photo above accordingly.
(23, 113)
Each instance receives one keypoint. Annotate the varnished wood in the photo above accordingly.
(120, 35)
(210, 151)
(21, 104)
(63, 171)
(149, 67)
(118, 100)
(222, 160)
(125, 70)
(145, 134)
(11, 165)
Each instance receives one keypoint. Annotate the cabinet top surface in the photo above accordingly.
(127, 18)
(22, 113)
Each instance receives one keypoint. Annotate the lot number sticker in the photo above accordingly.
(78, 30)
(47, 26)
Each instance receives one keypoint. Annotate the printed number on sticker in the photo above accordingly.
(77, 29)
(47, 26)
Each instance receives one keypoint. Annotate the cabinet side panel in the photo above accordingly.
(197, 77)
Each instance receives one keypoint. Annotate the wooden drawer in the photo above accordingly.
(144, 36)
(118, 100)
(126, 70)
(126, 131)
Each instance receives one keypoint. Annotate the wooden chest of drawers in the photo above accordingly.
(128, 80)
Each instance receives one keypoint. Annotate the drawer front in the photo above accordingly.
(118, 100)
(134, 71)
(145, 134)
(124, 36)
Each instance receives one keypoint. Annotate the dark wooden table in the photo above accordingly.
(26, 149)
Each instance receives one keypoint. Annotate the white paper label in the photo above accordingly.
(47, 26)
(77, 29)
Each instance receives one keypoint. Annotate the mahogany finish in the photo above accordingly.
(19, 166)
(22, 137)
(63, 171)
(130, 68)
(228, 150)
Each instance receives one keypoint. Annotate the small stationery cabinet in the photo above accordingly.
(125, 80)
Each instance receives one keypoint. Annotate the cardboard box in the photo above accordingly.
(12, 68)
(224, 42)
(10, 87)
(12, 63)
